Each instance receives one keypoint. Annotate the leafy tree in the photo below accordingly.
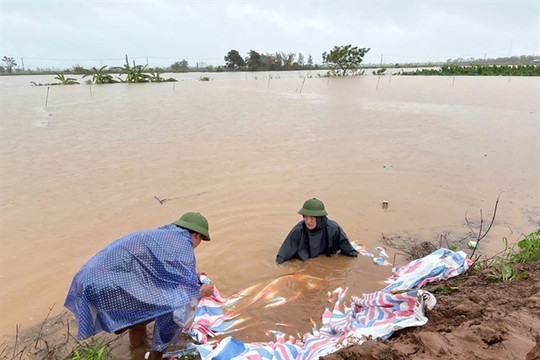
(278, 61)
(289, 60)
(77, 69)
(234, 61)
(300, 59)
(309, 61)
(273, 62)
(180, 66)
(254, 61)
(344, 60)
(9, 63)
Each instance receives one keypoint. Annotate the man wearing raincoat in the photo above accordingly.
(314, 235)
(139, 278)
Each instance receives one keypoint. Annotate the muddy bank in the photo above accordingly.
(483, 320)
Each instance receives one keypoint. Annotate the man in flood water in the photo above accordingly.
(314, 235)
(144, 276)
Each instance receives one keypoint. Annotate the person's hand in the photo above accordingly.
(207, 290)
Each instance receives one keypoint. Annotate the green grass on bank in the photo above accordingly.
(504, 267)
(93, 350)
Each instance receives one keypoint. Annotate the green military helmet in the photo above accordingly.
(196, 222)
(313, 207)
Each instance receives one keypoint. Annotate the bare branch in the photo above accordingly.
(16, 338)
(493, 218)
(42, 324)
(480, 235)
(481, 223)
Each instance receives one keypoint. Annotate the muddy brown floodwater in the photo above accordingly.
(83, 165)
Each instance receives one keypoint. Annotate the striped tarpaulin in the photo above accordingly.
(400, 305)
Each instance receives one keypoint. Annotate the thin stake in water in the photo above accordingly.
(47, 97)
(302, 85)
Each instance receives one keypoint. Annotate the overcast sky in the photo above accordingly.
(60, 34)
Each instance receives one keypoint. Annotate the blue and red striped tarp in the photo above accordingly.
(399, 305)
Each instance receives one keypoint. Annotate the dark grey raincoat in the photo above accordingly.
(327, 238)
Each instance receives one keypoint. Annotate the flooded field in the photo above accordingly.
(83, 165)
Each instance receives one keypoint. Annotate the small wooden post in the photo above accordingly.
(47, 97)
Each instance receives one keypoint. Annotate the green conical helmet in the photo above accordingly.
(313, 207)
(196, 222)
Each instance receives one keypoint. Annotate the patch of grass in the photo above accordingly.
(529, 249)
(93, 350)
(186, 356)
(503, 267)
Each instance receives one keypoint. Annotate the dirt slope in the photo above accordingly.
(483, 320)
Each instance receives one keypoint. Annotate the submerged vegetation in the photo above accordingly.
(99, 76)
(63, 80)
(138, 73)
(132, 74)
(480, 70)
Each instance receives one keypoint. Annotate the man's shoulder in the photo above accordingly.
(298, 226)
(333, 226)
(332, 223)
(165, 231)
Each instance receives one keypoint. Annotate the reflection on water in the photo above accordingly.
(247, 150)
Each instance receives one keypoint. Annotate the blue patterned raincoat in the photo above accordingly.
(140, 277)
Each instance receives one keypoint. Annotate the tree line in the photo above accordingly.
(341, 60)
(344, 60)
(254, 61)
